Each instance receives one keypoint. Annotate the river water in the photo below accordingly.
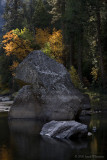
(20, 140)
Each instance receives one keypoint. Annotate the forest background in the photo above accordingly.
(74, 32)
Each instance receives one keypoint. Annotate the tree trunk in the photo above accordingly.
(100, 54)
(63, 25)
(71, 53)
(79, 58)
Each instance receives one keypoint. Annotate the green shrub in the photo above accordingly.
(75, 78)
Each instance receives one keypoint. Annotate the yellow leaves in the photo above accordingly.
(14, 45)
(14, 65)
(54, 41)
(8, 36)
(94, 73)
(56, 44)
(42, 36)
(18, 43)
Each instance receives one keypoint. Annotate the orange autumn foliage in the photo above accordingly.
(42, 36)
(18, 43)
(15, 45)
(54, 42)
(14, 65)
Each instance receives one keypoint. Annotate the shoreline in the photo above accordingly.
(5, 106)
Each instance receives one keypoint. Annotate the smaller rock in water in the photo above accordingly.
(90, 134)
(64, 129)
(3, 99)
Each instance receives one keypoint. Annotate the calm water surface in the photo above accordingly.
(20, 140)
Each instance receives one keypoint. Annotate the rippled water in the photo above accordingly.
(20, 140)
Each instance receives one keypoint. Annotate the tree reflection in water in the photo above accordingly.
(5, 153)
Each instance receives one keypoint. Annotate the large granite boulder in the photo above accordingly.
(64, 129)
(48, 92)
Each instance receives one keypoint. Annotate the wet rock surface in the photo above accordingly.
(64, 129)
(5, 103)
(48, 92)
(5, 98)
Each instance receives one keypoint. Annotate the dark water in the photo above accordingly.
(20, 140)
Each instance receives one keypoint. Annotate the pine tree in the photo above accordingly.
(41, 17)
(13, 15)
(76, 17)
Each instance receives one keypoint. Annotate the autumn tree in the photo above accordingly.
(51, 44)
(42, 36)
(17, 43)
(41, 17)
(56, 45)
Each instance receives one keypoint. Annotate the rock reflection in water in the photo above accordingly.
(85, 119)
(25, 126)
(24, 139)
(28, 145)
(60, 150)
